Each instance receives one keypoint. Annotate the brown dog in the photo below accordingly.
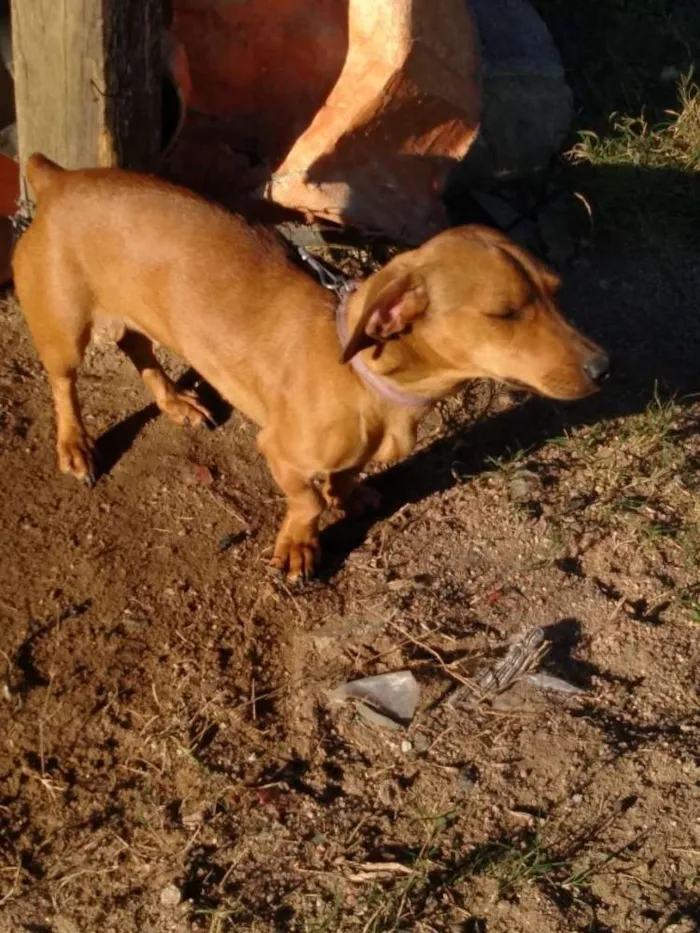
(171, 268)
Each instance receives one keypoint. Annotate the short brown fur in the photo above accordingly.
(171, 268)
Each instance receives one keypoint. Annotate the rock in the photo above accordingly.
(421, 742)
(307, 236)
(545, 681)
(360, 107)
(396, 694)
(527, 104)
(170, 896)
(524, 486)
(197, 474)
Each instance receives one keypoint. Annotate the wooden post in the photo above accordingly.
(88, 81)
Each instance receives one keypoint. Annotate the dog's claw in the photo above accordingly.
(76, 456)
(300, 582)
(295, 562)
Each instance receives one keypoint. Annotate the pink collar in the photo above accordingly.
(382, 386)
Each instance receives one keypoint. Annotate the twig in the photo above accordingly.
(521, 658)
(223, 501)
(447, 668)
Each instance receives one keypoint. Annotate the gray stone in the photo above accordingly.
(395, 694)
(170, 896)
(527, 104)
(307, 235)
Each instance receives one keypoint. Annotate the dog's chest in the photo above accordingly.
(397, 439)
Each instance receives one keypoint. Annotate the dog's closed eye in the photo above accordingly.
(511, 314)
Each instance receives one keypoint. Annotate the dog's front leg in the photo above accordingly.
(296, 548)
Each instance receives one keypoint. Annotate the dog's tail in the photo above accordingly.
(42, 172)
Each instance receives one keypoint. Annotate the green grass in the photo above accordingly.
(635, 153)
(513, 866)
(645, 176)
(392, 907)
(633, 141)
(690, 602)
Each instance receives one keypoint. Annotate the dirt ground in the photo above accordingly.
(169, 758)
(170, 761)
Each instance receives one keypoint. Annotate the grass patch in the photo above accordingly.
(636, 155)
(660, 198)
(675, 142)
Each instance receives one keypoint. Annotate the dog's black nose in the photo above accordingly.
(598, 368)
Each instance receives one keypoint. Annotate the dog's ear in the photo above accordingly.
(392, 300)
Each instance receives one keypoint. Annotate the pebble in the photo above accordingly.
(421, 742)
(170, 896)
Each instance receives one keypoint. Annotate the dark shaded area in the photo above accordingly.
(23, 658)
(614, 52)
(292, 776)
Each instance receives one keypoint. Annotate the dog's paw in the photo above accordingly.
(185, 408)
(296, 559)
(76, 456)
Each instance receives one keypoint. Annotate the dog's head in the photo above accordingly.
(471, 303)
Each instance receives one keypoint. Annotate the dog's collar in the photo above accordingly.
(381, 385)
(344, 288)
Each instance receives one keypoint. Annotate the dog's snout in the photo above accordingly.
(598, 367)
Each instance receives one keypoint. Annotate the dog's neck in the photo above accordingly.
(384, 387)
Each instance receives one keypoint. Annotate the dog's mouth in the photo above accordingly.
(517, 386)
(524, 388)
(520, 388)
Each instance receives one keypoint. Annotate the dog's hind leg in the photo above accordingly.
(182, 407)
(60, 320)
